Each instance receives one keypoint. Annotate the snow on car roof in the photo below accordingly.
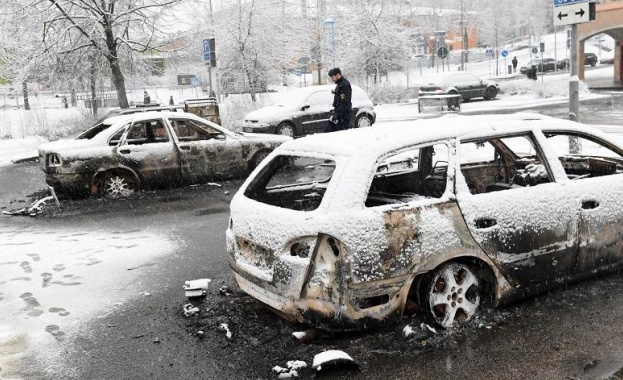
(390, 136)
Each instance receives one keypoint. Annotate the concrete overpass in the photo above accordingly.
(608, 20)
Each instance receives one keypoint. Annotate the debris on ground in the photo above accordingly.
(333, 359)
(225, 291)
(189, 310)
(225, 328)
(425, 326)
(407, 331)
(35, 207)
(196, 288)
(292, 369)
(305, 336)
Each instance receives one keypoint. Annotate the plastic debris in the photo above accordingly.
(225, 328)
(224, 290)
(424, 326)
(333, 358)
(407, 331)
(196, 288)
(189, 310)
(304, 336)
(35, 207)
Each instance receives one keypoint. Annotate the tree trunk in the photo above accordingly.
(93, 95)
(25, 92)
(119, 81)
(74, 101)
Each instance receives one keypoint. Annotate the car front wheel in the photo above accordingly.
(491, 93)
(452, 295)
(363, 121)
(259, 157)
(286, 129)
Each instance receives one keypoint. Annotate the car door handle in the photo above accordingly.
(184, 147)
(485, 222)
(588, 205)
(124, 151)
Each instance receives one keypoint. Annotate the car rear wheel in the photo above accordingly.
(452, 295)
(490, 93)
(116, 185)
(286, 129)
(258, 157)
(363, 121)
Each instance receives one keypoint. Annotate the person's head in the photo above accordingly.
(335, 74)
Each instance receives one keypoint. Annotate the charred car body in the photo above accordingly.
(345, 233)
(148, 150)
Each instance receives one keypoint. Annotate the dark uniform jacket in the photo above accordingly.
(342, 105)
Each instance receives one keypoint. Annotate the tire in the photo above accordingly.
(363, 121)
(491, 93)
(116, 185)
(286, 129)
(452, 295)
(258, 157)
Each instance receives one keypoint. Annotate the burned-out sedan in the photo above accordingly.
(443, 215)
(148, 150)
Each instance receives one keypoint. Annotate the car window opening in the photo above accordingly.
(410, 175)
(503, 163)
(292, 182)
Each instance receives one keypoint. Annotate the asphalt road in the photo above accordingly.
(571, 333)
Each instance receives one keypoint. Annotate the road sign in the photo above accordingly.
(442, 52)
(558, 3)
(504, 53)
(489, 52)
(534, 50)
(206, 49)
(571, 14)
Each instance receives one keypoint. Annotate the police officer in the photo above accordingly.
(342, 106)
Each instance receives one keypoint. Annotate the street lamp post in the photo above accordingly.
(330, 22)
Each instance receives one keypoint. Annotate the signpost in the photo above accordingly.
(573, 12)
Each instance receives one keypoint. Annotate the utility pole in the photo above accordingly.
(573, 80)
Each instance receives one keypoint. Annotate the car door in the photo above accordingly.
(595, 172)
(316, 115)
(476, 86)
(206, 151)
(149, 150)
(514, 210)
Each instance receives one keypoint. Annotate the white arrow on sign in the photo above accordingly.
(571, 14)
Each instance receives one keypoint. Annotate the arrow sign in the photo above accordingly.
(574, 13)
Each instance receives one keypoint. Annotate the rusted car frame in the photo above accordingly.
(150, 150)
(357, 229)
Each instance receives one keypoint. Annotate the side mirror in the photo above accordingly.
(305, 106)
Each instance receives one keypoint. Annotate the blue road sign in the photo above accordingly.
(504, 53)
(558, 3)
(206, 49)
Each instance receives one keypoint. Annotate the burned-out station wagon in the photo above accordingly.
(450, 214)
(148, 150)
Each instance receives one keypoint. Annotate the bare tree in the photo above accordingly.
(111, 29)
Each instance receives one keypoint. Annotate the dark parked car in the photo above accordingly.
(444, 216)
(467, 85)
(542, 65)
(152, 149)
(589, 59)
(306, 110)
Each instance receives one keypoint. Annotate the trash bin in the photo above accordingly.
(510, 69)
(206, 108)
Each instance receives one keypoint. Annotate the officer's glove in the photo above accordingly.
(333, 119)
